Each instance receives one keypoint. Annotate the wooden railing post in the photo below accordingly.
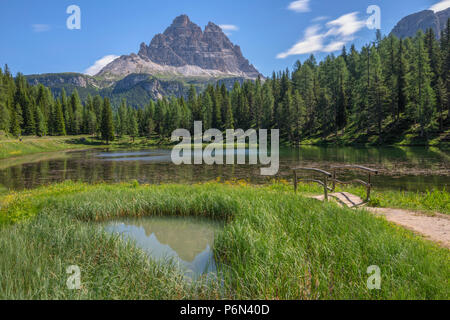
(369, 185)
(325, 188)
(295, 181)
(334, 180)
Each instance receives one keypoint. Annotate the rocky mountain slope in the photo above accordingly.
(185, 50)
(183, 55)
(408, 26)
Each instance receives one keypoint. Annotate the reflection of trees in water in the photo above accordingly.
(397, 165)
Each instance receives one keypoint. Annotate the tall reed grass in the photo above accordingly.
(275, 245)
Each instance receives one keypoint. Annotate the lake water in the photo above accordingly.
(406, 168)
(185, 242)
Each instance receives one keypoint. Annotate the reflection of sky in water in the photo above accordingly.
(405, 168)
(165, 155)
(188, 245)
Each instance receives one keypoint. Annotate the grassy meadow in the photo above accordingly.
(275, 245)
(13, 147)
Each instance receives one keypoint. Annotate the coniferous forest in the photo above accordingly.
(378, 94)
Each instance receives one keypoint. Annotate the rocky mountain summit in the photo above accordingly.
(184, 49)
(423, 20)
(182, 56)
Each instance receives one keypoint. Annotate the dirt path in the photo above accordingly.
(435, 228)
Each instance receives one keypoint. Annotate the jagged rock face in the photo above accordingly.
(51, 80)
(186, 50)
(183, 55)
(408, 26)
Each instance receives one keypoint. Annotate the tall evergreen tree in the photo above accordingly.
(107, 127)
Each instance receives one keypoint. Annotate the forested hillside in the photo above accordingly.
(389, 91)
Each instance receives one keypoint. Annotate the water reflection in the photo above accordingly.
(413, 168)
(184, 241)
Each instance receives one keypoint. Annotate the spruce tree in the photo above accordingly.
(59, 127)
(41, 125)
(107, 127)
(15, 129)
(4, 118)
(75, 113)
(133, 129)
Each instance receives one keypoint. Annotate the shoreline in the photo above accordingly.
(13, 148)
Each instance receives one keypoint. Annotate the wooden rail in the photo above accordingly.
(367, 184)
(327, 175)
(323, 183)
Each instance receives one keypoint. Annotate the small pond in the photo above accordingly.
(187, 242)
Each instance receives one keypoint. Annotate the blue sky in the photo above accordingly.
(273, 34)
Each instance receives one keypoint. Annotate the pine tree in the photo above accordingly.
(217, 110)
(228, 121)
(193, 103)
(267, 102)
(58, 127)
(25, 106)
(15, 122)
(65, 110)
(41, 124)
(91, 123)
(298, 109)
(421, 96)
(107, 127)
(401, 69)
(75, 113)
(377, 92)
(4, 118)
(133, 129)
(98, 110)
(207, 106)
(122, 119)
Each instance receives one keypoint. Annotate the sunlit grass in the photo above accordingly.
(275, 244)
(30, 145)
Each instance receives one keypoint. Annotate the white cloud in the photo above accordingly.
(100, 64)
(442, 5)
(321, 18)
(338, 33)
(334, 46)
(312, 42)
(346, 25)
(229, 27)
(299, 6)
(40, 27)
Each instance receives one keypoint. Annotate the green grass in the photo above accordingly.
(11, 148)
(275, 244)
(429, 202)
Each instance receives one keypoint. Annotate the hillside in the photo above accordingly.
(182, 56)
(423, 20)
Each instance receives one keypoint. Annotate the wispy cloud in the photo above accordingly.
(312, 42)
(334, 46)
(229, 27)
(100, 64)
(336, 34)
(345, 25)
(442, 5)
(40, 27)
(299, 6)
(318, 19)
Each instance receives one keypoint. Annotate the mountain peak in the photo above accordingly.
(423, 20)
(182, 20)
(212, 27)
(184, 46)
